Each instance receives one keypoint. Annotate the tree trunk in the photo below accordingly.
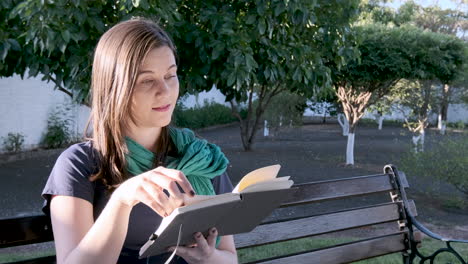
(350, 147)
(354, 102)
(418, 141)
(380, 122)
(380, 119)
(266, 131)
(343, 123)
(250, 125)
(444, 109)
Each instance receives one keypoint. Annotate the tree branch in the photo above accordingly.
(60, 88)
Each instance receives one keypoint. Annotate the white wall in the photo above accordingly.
(456, 113)
(198, 100)
(26, 104)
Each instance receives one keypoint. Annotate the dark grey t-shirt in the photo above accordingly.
(70, 177)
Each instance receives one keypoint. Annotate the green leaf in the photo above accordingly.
(279, 9)
(66, 36)
(261, 26)
(231, 79)
(251, 19)
(14, 44)
(33, 69)
(4, 47)
(63, 47)
(217, 51)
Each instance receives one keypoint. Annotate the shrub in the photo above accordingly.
(13, 142)
(445, 160)
(285, 109)
(58, 132)
(209, 114)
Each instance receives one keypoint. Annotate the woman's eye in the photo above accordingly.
(147, 82)
(171, 76)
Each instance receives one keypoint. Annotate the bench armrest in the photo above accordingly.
(428, 232)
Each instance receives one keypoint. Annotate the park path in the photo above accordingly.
(307, 153)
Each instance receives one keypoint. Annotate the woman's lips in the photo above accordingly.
(162, 108)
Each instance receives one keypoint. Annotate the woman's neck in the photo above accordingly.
(147, 137)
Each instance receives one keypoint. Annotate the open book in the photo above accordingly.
(252, 200)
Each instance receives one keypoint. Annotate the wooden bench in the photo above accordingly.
(307, 213)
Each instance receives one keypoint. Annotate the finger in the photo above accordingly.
(157, 194)
(211, 239)
(151, 202)
(167, 183)
(170, 203)
(180, 178)
(183, 251)
(201, 242)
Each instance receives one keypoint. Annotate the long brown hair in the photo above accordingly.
(119, 54)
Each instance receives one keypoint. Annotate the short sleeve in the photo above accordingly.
(222, 184)
(70, 175)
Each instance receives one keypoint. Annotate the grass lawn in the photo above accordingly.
(12, 257)
(289, 247)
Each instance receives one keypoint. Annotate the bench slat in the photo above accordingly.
(340, 188)
(348, 252)
(25, 230)
(319, 224)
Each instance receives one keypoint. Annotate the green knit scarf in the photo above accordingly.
(199, 160)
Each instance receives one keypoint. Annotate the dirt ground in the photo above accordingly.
(312, 152)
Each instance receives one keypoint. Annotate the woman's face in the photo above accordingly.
(156, 89)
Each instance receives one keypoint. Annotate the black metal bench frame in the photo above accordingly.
(406, 238)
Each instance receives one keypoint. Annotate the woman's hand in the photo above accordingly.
(149, 187)
(203, 249)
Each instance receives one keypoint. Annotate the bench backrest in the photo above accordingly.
(289, 226)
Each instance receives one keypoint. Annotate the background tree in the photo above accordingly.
(57, 38)
(324, 102)
(381, 107)
(414, 100)
(259, 49)
(387, 55)
(431, 18)
(246, 48)
(446, 21)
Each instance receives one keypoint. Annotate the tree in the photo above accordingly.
(324, 102)
(387, 55)
(381, 107)
(246, 48)
(432, 18)
(446, 21)
(442, 63)
(57, 38)
(414, 100)
(263, 48)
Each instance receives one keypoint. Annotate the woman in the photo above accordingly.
(107, 195)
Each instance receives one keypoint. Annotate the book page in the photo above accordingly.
(276, 184)
(258, 175)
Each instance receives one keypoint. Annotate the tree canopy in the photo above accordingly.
(243, 47)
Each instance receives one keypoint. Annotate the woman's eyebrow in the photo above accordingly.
(149, 71)
(142, 72)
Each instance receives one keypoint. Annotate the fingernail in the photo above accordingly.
(192, 193)
(198, 234)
